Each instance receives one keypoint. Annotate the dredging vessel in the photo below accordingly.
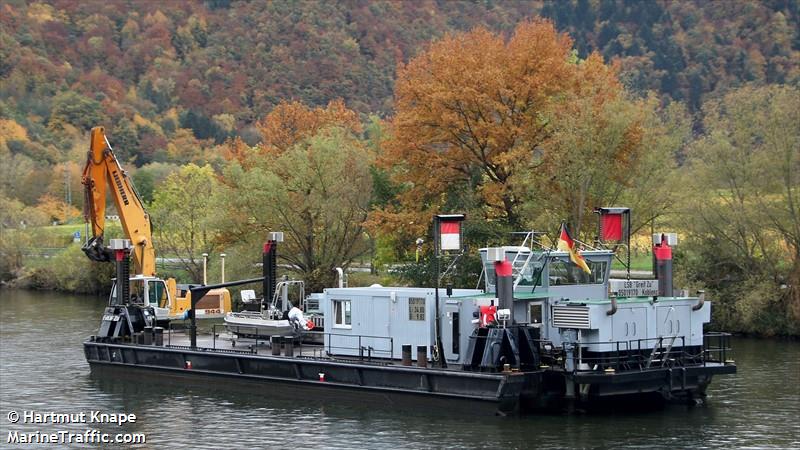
(549, 329)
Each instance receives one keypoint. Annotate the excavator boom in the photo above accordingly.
(103, 176)
(103, 171)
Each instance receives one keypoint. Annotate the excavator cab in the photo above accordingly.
(146, 292)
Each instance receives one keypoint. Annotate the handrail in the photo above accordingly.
(629, 355)
(701, 298)
(521, 271)
(613, 309)
(363, 350)
(641, 354)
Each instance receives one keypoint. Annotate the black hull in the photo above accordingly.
(493, 393)
(289, 393)
(498, 393)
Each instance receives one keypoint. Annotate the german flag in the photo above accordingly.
(566, 244)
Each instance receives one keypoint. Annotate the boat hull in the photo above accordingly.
(498, 393)
(253, 326)
(501, 393)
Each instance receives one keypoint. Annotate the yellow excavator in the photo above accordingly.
(103, 175)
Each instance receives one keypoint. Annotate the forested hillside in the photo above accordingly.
(349, 123)
(151, 70)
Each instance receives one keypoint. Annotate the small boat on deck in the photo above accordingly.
(278, 318)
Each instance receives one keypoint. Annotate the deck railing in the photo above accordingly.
(650, 353)
(361, 347)
(364, 345)
(716, 348)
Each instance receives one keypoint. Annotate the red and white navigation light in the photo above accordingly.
(448, 232)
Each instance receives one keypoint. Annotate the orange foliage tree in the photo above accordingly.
(291, 122)
(57, 210)
(476, 117)
(470, 112)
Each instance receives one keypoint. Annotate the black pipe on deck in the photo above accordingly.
(123, 268)
(198, 292)
(505, 286)
(406, 361)
(269, 264)
(662, 258)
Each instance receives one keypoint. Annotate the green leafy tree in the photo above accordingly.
(72, 108)
(317, 192)
(182, 217)
(744, 215)
(620, 152)
(145, 184)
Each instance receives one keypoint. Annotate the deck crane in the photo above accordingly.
(103, 175)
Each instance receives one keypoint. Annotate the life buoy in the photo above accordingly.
(310, 324)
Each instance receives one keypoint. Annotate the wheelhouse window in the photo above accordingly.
(531, 275)
(137, 292)
(565, 272)
(341, 314)
(416, 309)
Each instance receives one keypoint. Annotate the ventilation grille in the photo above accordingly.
(571, 317)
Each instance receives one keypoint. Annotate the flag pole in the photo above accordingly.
(453, 242)
(437, 323)
(628, 235)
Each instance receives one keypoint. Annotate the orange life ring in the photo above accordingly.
(310, 324)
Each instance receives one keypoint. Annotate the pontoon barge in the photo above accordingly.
(543, 334)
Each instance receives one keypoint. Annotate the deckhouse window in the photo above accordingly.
(564, 272)
(416, 309)
(531, 274)
(341, 313)
(535, 314)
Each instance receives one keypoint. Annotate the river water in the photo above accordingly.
(42, 369)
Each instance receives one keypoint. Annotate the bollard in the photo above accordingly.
(158, 333)
(288, 346)
(137, 338)
(275, 343)
(422, 356)
(406, 355)
(148, 335)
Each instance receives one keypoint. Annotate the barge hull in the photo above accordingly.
(501, 392)
(675, 382)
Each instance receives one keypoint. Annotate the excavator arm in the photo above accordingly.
(103, 175)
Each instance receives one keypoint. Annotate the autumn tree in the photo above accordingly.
(317, 192)
(500, 127)
(290, 122)
(471, 111)
(742, 205)
(57, 209)
(182, 217)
